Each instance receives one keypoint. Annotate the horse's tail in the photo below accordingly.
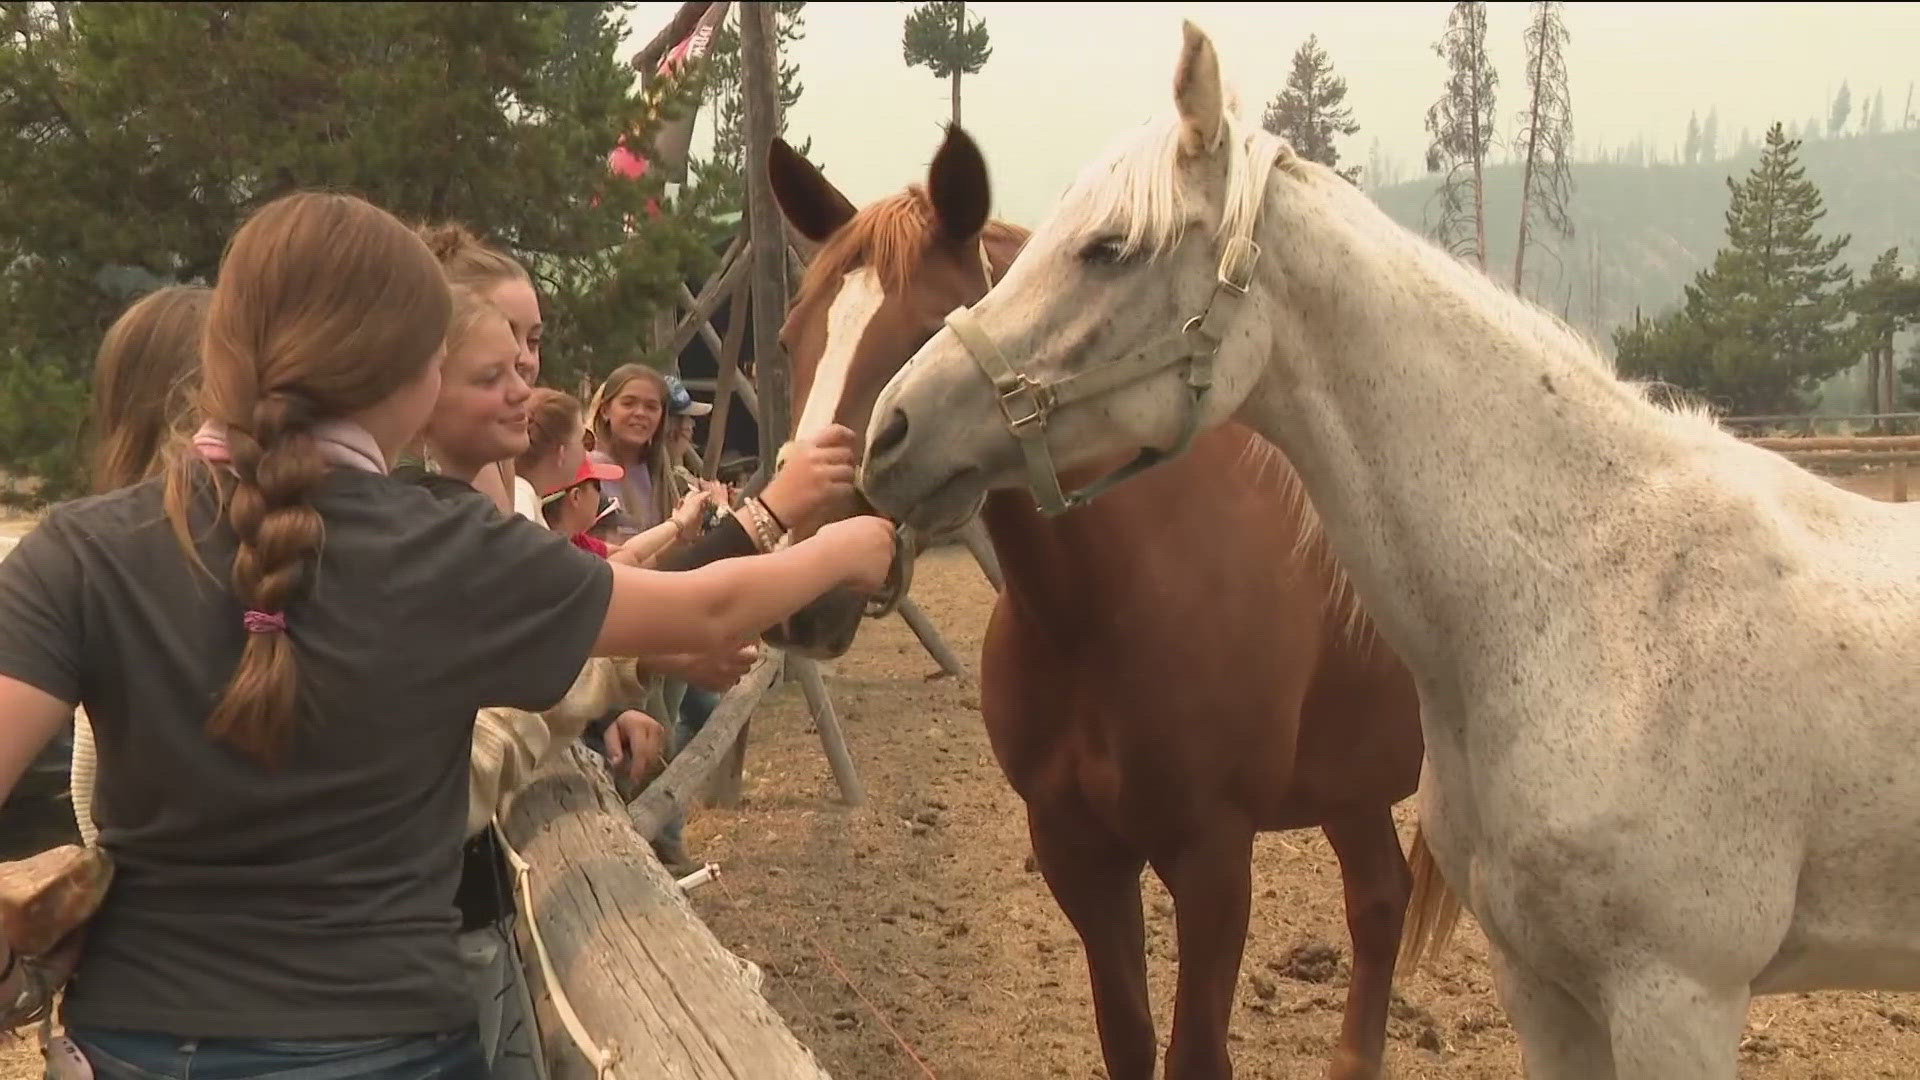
(1432, 911)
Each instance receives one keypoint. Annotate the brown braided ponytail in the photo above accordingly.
(325, 307)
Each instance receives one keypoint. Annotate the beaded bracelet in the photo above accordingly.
(750, 524)
(766, 538)
(765, 535)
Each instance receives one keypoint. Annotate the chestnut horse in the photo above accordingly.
(1170, 669)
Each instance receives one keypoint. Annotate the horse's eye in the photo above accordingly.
(1103, 251)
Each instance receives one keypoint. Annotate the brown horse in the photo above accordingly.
(1170, 669)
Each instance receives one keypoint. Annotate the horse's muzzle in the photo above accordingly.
(825, 628)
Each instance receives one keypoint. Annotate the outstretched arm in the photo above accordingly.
(724, 603)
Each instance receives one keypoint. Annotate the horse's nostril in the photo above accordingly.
(892, 433)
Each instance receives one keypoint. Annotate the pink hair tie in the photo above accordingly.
(265, 622)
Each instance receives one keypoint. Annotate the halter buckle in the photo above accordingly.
(1039, 401)
(1236, 263)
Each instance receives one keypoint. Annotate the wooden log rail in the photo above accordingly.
(686, 776)
(1860, 457)
(1898, 452)
(653, 989)
(1837, 442)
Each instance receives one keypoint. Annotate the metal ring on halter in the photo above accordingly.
(899, 577)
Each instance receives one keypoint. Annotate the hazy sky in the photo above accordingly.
(1063, 82)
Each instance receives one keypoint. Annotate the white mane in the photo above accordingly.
(1134, 190)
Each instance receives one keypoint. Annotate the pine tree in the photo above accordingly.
(140, 136)
(1876, 119)
(1311, 109)
(1710, 136)
(1842, 110)
(1546, 133)
(1766, 323)
(1886, 304)
(1691, 153)
(939, 37)
(1461, 123)
(1910, 379)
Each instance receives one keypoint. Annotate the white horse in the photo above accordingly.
(1671, 690)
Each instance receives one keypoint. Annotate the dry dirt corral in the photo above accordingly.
(916, 911)
(914, 914)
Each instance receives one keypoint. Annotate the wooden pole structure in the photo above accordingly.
(702, 308)
(765, 257)
(723, 386)
(674, 790)
(766, 228)
(935, 645)
(974, 535)
(844, 774)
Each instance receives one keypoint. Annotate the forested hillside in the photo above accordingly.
(1643, 231)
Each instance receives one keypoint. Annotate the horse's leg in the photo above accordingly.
(1668, 1026)
(1377, 884)
(1559, 1038)
(1095, 878)
(1211, 878)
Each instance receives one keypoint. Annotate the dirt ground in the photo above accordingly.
(1881, 483)
(910, 926)
(905, 939)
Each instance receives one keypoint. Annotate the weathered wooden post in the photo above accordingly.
(643, 982)
(765, 258)
(974, 535)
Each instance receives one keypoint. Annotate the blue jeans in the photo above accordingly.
(695, 707)
(132, 1055)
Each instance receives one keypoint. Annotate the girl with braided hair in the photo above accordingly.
(282, 649)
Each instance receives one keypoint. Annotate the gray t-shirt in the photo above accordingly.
(318, 901)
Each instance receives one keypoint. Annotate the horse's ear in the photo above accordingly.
(957, 187)
(1197, 91)
(807, 199)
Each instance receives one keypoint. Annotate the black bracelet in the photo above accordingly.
(777, 523)
(597, 729)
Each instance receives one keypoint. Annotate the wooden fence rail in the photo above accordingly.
(1896, 452)
(652, 988)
